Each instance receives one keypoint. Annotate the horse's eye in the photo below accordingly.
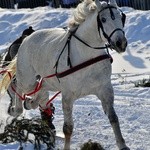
(103, 20)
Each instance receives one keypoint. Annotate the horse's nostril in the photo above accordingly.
(118, 43)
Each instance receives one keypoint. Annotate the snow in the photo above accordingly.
(132, 103)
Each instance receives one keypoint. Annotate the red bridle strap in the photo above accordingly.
(37, 88)
(50, 100)
(6, 71)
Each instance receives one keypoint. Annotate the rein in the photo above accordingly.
(106, 46)
(83, 65)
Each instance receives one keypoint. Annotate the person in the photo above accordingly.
(47, 116)
(28, 31)
(12, 51)
(13, 48)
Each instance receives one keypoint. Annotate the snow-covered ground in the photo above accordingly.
(132, 104)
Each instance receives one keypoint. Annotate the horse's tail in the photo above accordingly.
(6, 60)
(7, 76)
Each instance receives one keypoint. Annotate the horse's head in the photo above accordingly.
(111, 21)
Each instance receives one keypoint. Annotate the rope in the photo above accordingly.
(6, 71)
(37, 88)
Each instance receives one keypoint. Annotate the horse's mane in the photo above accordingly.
(81, 12)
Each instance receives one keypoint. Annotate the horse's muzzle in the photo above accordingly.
(119, 45)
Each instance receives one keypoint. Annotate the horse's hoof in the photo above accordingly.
(12, 111)
(126, 148)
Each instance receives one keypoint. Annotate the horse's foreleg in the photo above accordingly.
(107, 99)
(68, 121)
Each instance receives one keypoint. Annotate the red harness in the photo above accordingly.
(64, 73)
(59, 75)
(6, 71)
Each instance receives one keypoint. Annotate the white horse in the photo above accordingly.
(60, 53)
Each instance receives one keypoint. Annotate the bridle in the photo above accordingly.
(100, 25)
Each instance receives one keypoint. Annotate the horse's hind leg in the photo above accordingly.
(11, 94)
(15, 108)
(107, 98)
(22, 87)
(67, 106)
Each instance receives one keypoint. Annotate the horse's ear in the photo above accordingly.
(98, 4)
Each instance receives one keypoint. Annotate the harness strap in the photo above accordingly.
(118, 29)
(72, 33)
(68, 58)
(48, 110)
(20, 96)
(53, 98)
(90, 45)
(56, 64)
(39, 85)
(83, 65)
(6, 71)
(37, 88)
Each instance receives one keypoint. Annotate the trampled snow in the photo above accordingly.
(132, 103)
